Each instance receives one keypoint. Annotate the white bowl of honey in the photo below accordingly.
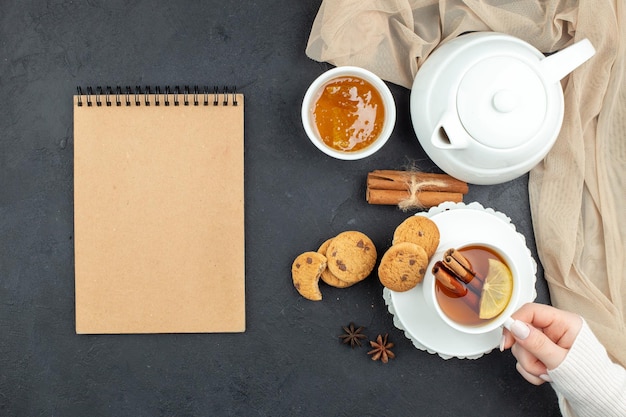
(474, 288)
(348, 113)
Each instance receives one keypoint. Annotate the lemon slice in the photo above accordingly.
(497, 290)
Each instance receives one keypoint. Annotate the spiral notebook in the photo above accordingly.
(159, 210)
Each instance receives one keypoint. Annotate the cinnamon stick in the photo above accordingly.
(462, 269)
(413, 189)
(454, 288)
(424, 199)
(385, 179)
(448, 280)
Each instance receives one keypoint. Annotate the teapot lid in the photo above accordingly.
(502, 101)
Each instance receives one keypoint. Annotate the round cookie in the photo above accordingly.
(351, 256)
(403, 266)
(419, 230)
(328, 276)
(305, 273)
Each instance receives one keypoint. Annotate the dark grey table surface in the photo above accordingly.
(289, 362)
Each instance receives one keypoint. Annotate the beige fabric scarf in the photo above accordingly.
(577, 194)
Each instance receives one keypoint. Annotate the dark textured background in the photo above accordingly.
(289, 362)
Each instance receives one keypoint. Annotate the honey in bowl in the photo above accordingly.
(348, 114)
(473, 285)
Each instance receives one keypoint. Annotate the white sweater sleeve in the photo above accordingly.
(587, 382)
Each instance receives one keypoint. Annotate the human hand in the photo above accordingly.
(540, 338)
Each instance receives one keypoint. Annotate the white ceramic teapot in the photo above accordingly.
(487, 107)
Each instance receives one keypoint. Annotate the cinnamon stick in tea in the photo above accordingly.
(448, 280)
(455, 288)
(462, 269)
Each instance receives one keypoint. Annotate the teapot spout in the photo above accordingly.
(449, 133)
(558, 65)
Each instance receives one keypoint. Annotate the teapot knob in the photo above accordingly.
(505, 101)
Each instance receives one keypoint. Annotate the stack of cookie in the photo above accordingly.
(404, 264)
(340, 261)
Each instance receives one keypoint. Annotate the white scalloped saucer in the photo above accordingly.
(460, 223)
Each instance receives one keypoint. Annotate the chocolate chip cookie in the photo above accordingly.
(403, 266)
(419, 230)
(305, 273)
(327, 276)
(351, 256)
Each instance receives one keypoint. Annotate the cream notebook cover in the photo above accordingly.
(159, 211)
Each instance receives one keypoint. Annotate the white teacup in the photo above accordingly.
(313, 93)
(503, 319)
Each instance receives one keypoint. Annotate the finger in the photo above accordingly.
(535, 380)
(560, 326)
(538, 344)
(528, 361)
(507, 340)
(564, 332)
(541, 315)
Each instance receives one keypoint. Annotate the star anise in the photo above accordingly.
(381, 349)
(352, 335)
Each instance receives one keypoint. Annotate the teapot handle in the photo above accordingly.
(558, 65)
(449, 133)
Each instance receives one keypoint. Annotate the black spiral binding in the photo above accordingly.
(133, 97)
